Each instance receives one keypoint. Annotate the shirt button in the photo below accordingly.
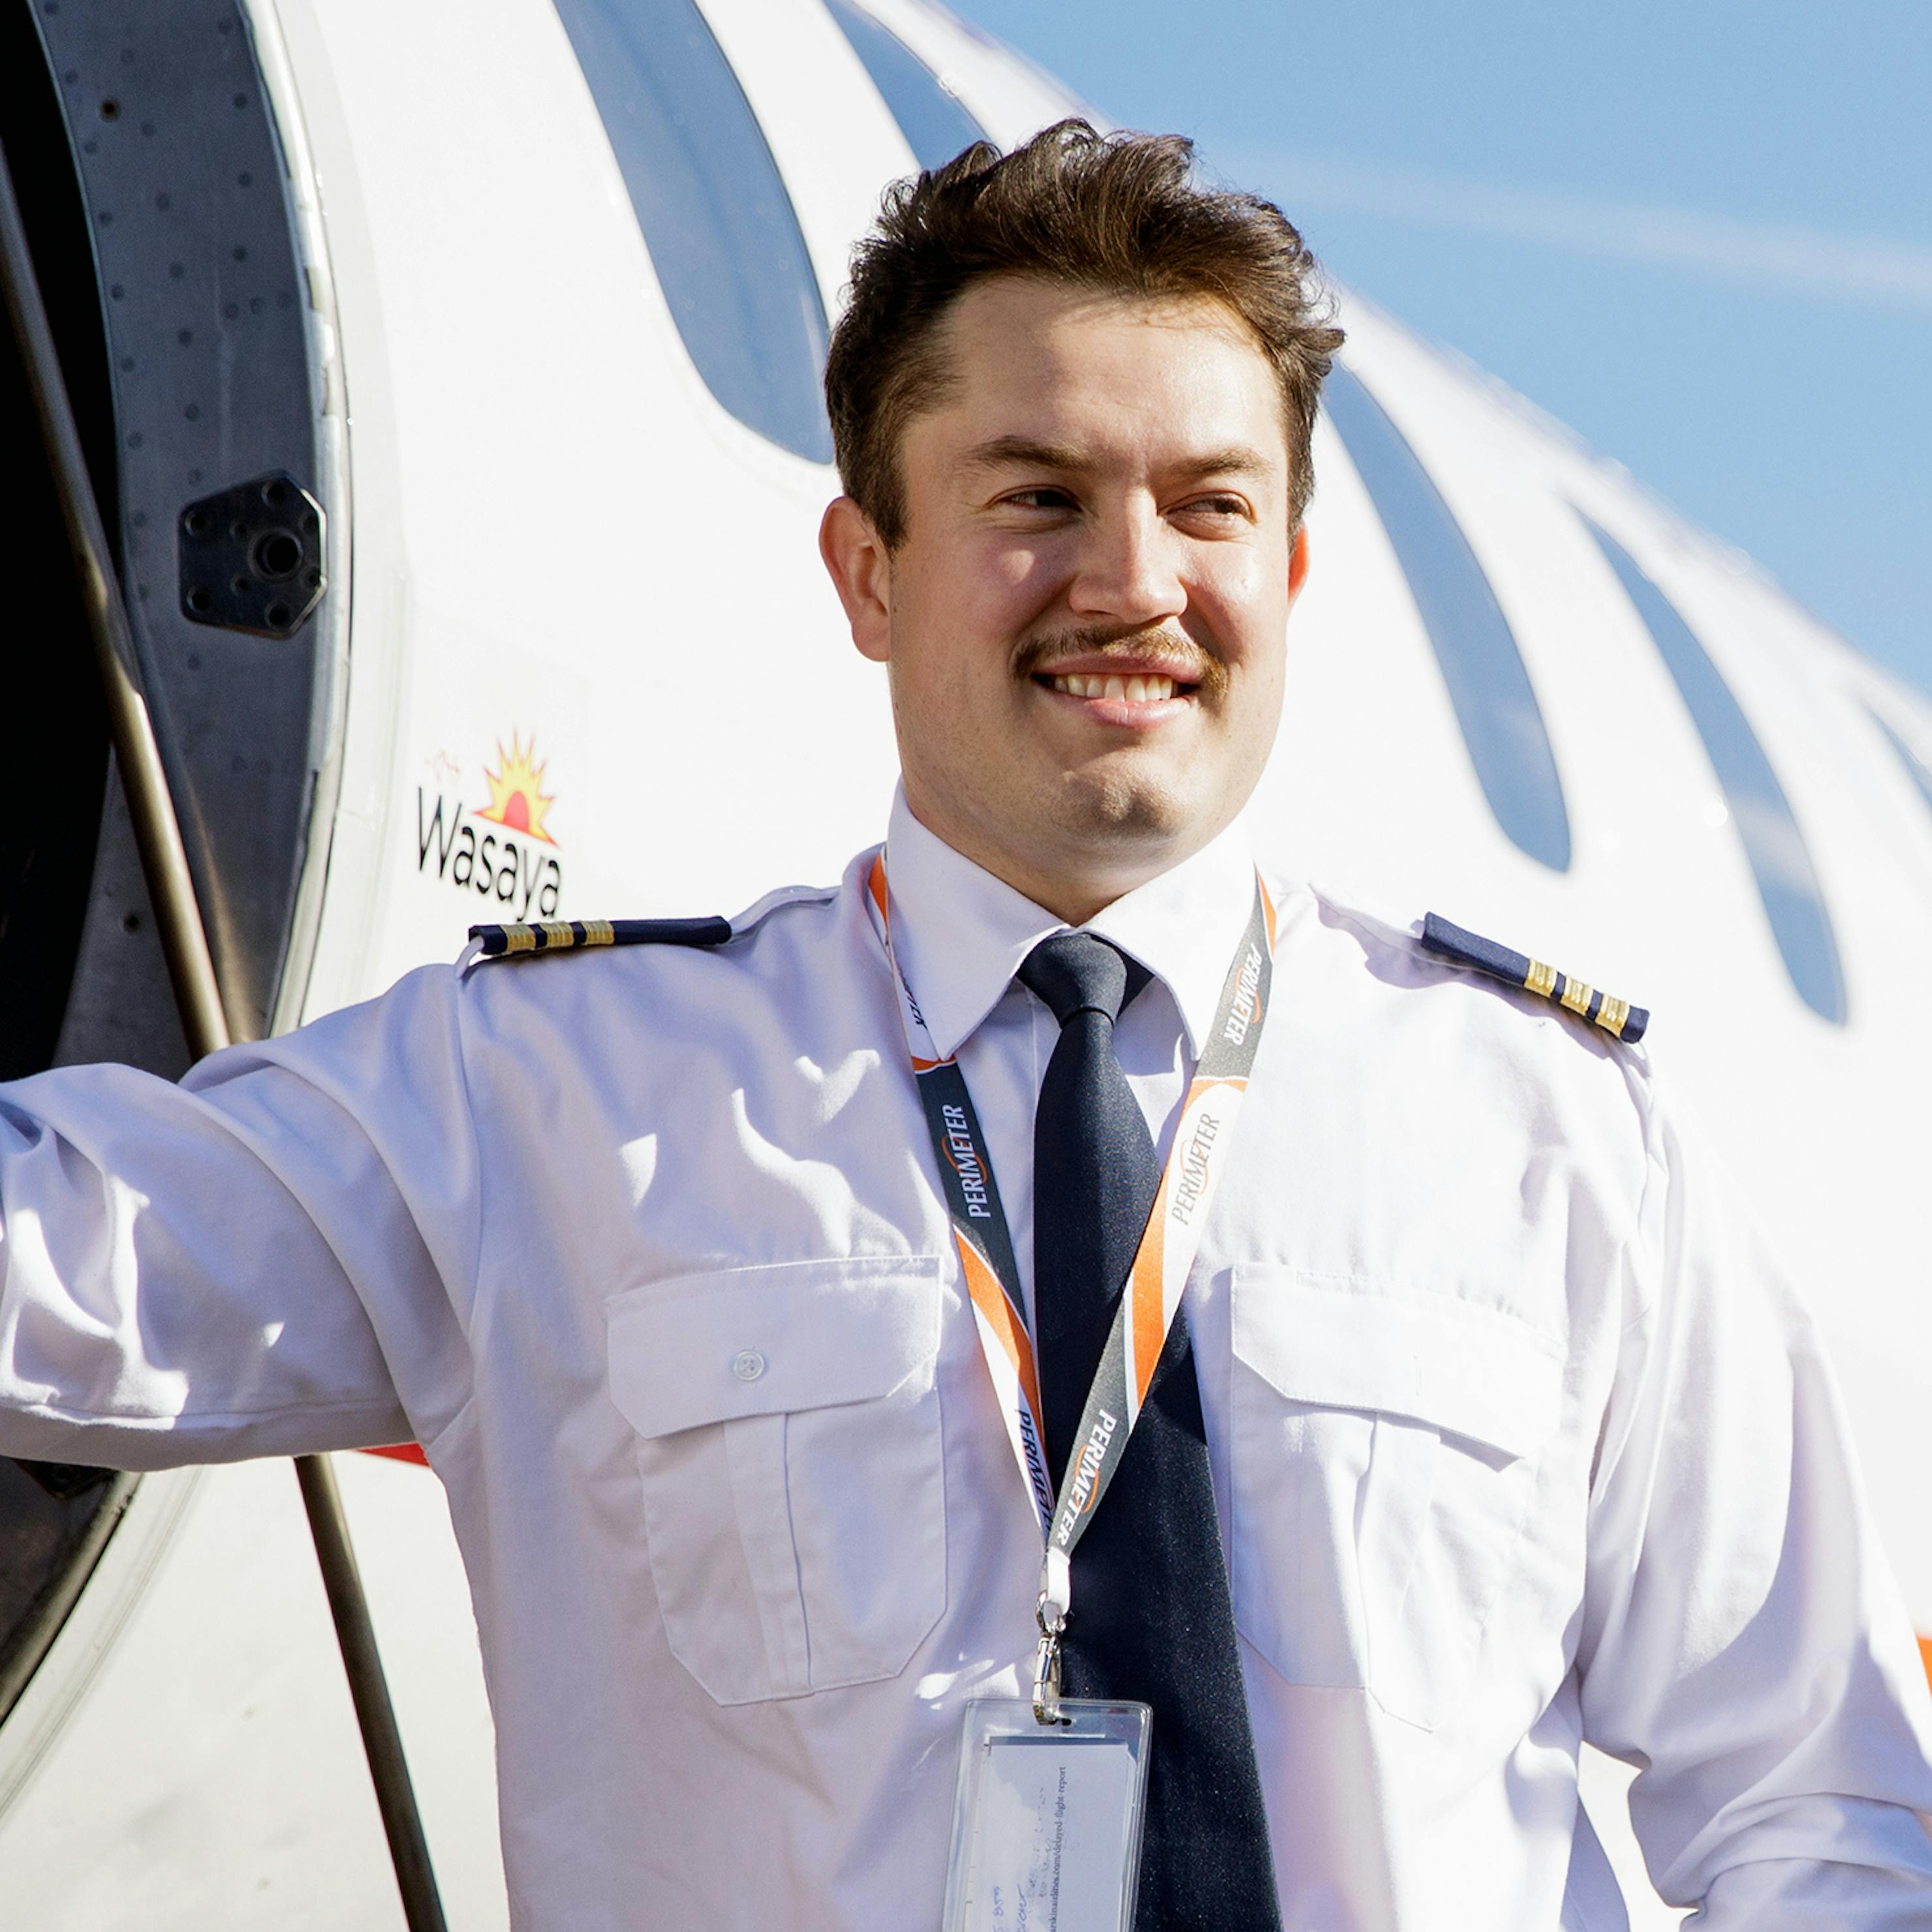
(748, 1365)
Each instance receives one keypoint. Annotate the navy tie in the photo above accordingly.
(1151, 1619)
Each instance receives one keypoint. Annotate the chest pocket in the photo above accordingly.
(1382, 1453)
(789, 1453)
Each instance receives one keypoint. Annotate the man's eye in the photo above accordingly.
(1045, 497)
(1217, 506)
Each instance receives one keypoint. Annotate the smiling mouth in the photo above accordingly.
(1134, 688)
(1148, 677)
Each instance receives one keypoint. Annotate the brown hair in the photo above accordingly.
(1116, 212)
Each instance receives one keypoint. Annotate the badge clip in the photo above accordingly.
(1046, 1667)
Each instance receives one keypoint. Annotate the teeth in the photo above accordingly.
(1152, 689)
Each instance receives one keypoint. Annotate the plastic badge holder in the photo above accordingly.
(1046, 1826)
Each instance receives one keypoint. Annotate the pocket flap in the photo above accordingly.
(758, 1341)
(1469, 1371)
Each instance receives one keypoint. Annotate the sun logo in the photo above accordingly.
(516, 799)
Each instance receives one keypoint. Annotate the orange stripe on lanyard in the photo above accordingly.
(1148, 1333)
(997, 1312)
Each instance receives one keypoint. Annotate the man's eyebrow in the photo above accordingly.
(1023, 452)
(1236, 460)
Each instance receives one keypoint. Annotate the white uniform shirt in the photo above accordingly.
(1516, 1440)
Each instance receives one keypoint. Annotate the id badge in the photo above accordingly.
(1046, 1827)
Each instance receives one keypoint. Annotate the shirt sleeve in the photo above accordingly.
(1744, 1642)
(272, 1257)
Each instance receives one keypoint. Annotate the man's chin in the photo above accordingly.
(1126, 812)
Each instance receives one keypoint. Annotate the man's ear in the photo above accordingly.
(860, 568)
(1297, 565)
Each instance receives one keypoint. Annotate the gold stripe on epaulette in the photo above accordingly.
(599, 932)
(1614, 1013)
(1576, 996)
(519, 939)
(1540, 979)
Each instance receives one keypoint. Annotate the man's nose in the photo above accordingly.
(1128, 570)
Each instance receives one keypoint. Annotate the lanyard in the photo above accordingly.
(1167, 1248)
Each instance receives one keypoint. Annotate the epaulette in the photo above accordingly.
(561, 935)
(1618, 1018)
(567, 935)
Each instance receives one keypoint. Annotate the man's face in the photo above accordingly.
(1083, 622)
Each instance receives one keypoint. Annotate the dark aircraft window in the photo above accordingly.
(1494, 703)
(720, 227)
(1787, 882)
(1916, 769)
(932, 117)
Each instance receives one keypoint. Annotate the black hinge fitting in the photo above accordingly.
(251, 557)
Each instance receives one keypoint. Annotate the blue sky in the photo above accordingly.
(1699, 233)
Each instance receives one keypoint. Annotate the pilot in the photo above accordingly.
(865, 1528)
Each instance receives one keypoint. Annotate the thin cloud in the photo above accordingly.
(1769, 254)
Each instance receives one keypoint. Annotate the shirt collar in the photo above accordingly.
(962, 934)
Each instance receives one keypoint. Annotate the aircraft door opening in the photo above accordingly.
(160, 218)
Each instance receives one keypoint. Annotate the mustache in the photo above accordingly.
(1191, 664)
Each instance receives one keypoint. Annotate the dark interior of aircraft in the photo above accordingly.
(59, 734)
(55, 1518)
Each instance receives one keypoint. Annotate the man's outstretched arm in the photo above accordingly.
(259, 1262)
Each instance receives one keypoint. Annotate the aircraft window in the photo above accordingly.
(932, 117)
(1494, 703)
(1916, 769)
(1786, 880)
(721, 229)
